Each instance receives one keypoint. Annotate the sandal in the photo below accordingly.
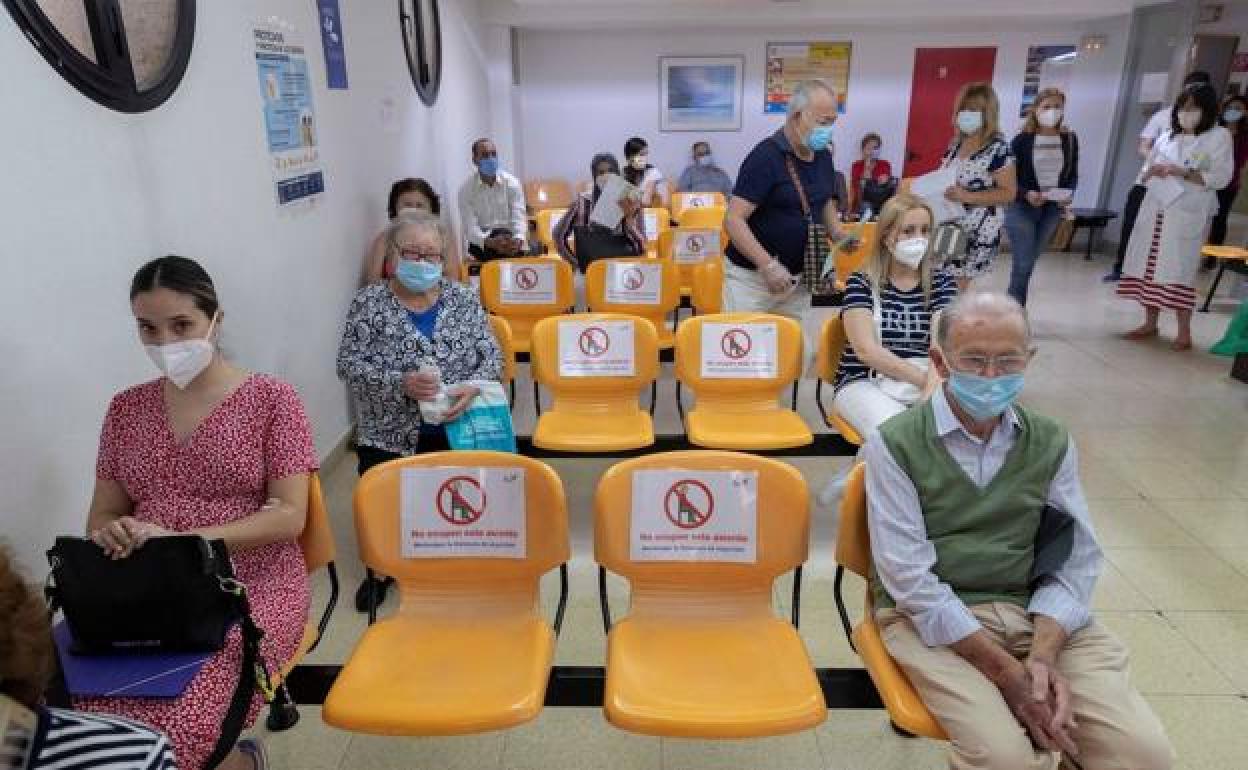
(1181, 345)
(253, 748)
(1140, 333)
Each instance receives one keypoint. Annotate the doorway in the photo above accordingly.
(939, 73)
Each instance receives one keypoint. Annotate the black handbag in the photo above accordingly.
(173, 594)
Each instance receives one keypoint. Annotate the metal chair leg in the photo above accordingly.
(283, 713)
(1213, 289)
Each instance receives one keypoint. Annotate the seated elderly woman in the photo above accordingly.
(171, 461)
(407, 340)
(408, 197)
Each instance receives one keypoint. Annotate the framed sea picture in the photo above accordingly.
(700, 93)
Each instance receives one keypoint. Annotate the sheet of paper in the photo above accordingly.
(526, 284)
(739, 351)
(462, 512)
(596, 349)
(694, 515)
(1059, 194)
(634, 283)
(931, 188)
(693, 246)
(607, 211)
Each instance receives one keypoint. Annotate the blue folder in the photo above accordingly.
(126, 675)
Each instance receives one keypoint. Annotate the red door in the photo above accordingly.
(938, 75)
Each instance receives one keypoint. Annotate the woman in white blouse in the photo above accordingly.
(1186, 168)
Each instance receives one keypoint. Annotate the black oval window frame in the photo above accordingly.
(429, 82)
(110, 83)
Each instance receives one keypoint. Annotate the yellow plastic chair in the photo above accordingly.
(681, 202)
(848, 261)
(654, 222)
(547, 194)
(467, 650)
(546, 221)
(319, 551)
(741, 413)
(832, 341)
(593, 414)
(684, 272)
(705, 216)
(522, 317)
(707, 295)
(1227, 256)
(502, 335)
(701, 653)
(853, 553)
(669, 295)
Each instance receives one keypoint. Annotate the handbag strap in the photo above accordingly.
(791, 165)
(253, 675)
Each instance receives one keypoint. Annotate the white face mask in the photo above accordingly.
(1189, 119)
(910, 251)
(183, 361)
(1050, 117)
(640, 162)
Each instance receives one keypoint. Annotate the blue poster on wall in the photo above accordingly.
(289, 117)
(331, 41)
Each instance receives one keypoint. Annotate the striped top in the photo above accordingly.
(76, 740)
(905, 320)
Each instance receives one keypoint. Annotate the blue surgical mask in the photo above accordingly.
(970, 121)
(1232, 115)
(984, 398)
(819, 138)
(419, 276)
(705, 161)
(488, 166)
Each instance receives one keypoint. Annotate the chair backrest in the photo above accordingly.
(502, 334)
(546, 221)
(547, 194)
(625, 273)
(593, 392)
(654, 221)
(497, 272)
(782, 533)
(851, 261)
(704, 216)
(667, 249)
(853, 539)
(317, 539)
(691, 200)
(737, 393)
(831, 346)
(379, 529)
(707, 292)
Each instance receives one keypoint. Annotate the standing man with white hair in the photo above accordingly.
(783, 209)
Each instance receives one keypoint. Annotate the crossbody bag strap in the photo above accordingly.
(797, 183)
(253, 675)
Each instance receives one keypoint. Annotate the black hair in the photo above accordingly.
(1197, 77)
(477, 145)
(412, 185)
(1201, 96)
(603, 157)
(700, 143)
(185, 276)
(634, 146)
(871, 137)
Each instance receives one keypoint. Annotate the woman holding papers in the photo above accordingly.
(1047, 156)
(1185, 169)
(985, 182)
(631, 226)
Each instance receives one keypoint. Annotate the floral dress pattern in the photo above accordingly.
(982, 224)
(216, 475)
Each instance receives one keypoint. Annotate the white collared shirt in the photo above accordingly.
(904, 557)
(484, 207)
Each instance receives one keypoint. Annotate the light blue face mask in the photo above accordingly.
(416, 275)
(705, 161)
(488, 166)
(984, 398)
(1232, 115)
(819, 138)
(970, 121)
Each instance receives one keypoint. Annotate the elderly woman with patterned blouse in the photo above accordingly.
(411, 339)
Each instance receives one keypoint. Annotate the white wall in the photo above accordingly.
(587, 91)
(90, 194)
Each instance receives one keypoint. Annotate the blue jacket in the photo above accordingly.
(1025, 167)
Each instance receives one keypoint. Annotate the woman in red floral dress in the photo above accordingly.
(217, 451)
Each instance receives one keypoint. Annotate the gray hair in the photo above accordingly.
(804, 91)
(980, 304)
(418, 219)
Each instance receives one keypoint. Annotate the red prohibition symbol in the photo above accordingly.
(634, 278)
(736, 343)
(526, 278)
(594, 342)
(689, 504)
(461, 500)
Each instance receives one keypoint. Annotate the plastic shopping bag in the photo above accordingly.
(1235, 341)
(486, 424)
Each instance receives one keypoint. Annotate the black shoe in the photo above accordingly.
(376, 586)
(1113, 276)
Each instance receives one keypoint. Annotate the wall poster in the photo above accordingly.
(289, 117)
(790, 63)
(1048, 66)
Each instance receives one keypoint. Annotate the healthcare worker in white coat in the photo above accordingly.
(1186, 168)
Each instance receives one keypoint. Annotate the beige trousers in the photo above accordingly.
(1116, 728)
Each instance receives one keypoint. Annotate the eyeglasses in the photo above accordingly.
(1006, 363)
(411, 254)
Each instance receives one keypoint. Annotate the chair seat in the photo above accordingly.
(904, 705)
(842, 426)
(716, 679)
(593, 432)
(426, 676)
(1224, 252)
(766, 429)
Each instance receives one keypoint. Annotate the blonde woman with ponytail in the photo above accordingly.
(889, 312)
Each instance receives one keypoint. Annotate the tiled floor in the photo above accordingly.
(1163, 441)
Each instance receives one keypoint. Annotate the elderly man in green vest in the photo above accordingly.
(985, 561)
